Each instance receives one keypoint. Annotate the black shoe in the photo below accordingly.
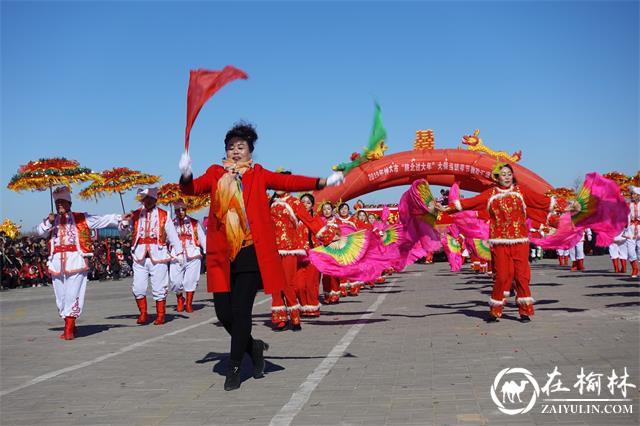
(232, 382)
(524, 318)
(257, 357)
(491, 318)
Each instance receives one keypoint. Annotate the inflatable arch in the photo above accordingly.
(439, 166)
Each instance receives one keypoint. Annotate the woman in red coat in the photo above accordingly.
(241, 249)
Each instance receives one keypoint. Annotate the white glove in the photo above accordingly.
(336, 178)
(185, 164)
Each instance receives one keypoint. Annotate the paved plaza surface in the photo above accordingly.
(415, 350)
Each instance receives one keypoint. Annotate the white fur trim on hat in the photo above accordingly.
(634, 189)
(62, 193)
(148, 192)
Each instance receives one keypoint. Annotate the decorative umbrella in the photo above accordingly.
(170, 192)
(563, 197)
(117, 180)
(622, 180)
(10, 229)
(46, 173)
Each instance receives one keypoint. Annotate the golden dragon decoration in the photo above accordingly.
(474, 143)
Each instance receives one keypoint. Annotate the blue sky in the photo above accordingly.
(105, 83)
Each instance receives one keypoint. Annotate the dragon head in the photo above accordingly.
(378, 152)
(472, 140)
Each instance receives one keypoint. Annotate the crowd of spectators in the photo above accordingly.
(23, 261)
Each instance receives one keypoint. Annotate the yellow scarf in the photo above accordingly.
(229, 206)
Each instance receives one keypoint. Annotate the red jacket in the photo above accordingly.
(289, 216)
(255, 183)
(508, 210)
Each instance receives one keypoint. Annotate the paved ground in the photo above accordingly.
(412, 351)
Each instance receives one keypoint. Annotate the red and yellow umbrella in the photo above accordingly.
(116, 181)
(170, 192)
(46, 173)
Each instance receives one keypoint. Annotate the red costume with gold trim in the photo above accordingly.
(345, 285)
(508, 236)
(286, 212)
(330, 284)
(308, 278)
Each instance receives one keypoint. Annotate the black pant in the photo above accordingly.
(234, 311)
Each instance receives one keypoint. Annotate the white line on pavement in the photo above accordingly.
(301, 396)
(121, 351)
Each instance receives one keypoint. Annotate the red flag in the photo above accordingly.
(203, 84)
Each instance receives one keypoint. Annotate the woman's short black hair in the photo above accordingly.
(244, 131)
(342, 205)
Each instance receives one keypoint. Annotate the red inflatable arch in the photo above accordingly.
(439, 166)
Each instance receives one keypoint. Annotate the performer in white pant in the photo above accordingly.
(576, 253)
(151, 229)
(563, 257)
(185, 276)
(618, 253)
(69, 246)
(632, 233)
(614, 254)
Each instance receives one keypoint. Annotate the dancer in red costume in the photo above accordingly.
(344, 219)
(308, 279)
(288, 215)
(507, 204)
(330, 285)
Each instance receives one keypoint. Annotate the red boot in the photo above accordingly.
(354, 290)
(344, 290)
(189, 306)
(580, 264)
(142, 306)
(295, 319)
(566, 261)
(616, 266)
(623, 266)
(574, 266)
(160, 311)
(634, 268)
(69, 328)
(180, 302)
(279, 318)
